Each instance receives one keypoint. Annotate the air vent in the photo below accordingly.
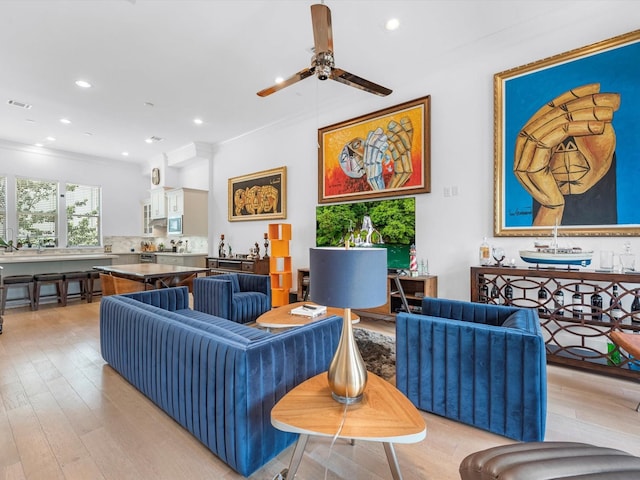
(153, 139)
(15, 103)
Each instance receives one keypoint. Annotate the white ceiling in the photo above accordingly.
(207, 59)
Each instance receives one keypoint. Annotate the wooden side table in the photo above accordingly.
(384, 415)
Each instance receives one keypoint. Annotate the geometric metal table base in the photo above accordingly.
(298, 451)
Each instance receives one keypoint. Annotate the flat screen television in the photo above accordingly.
(386, 224)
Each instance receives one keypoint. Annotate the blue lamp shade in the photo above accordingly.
(348, 278)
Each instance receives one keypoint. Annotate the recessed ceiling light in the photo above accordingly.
(279, 79)
(16, 103)
(88, 134)
(51, 139)
(125, 154)
(153, 139)
(197, 121)
(30, 120)
(38, 145)
(83, 84)
(392, 24)
(66, 121)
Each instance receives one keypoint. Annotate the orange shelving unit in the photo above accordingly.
(280, 263)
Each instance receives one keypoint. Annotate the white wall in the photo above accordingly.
(449, 230)
(123, 184)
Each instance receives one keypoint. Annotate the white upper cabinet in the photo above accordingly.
(192, 206)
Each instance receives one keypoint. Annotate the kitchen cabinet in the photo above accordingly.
(126, 259)
(147, 228)
(158, 203)
(192, 206)
(182, 259)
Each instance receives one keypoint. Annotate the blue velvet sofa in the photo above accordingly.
(483, 365)
(240, 297)
(217, 378)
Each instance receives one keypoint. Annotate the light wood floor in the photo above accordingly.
(65, 414)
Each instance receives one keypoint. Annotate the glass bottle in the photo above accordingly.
(484, 291)
(542, 300)
(613, 354)
(576, 301)
(596, 305)
(485, 252)
(508, 293)
(635, 311)
(558, 300)
(495, 295)
(614, 306)
(634, 364)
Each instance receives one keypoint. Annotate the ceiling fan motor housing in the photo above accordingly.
(323, 63)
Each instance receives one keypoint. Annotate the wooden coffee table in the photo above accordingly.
(281, 317)
(384, 415)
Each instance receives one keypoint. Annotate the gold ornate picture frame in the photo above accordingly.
(382, 154)
(258, 196)
(566, 142)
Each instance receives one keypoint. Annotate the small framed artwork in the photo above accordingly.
(258, 196)
(382, 154)
(566, 142)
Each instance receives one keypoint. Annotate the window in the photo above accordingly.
(83, 215)
(37, 211)
(3, 208)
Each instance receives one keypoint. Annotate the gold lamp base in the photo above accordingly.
(347, 372)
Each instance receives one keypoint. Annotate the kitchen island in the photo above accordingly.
(31, 263)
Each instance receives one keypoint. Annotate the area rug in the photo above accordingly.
(378, 352)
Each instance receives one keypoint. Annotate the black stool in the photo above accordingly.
(56, 279)
(17, 281)
(82, 278)
(93, 277)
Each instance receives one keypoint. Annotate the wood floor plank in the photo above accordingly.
(71, 416)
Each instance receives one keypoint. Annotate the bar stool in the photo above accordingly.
(93, 276)
(17, 281)
(82, 278)
(56, 279)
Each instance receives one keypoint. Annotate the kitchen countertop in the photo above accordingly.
(176, 254)
(51, 257)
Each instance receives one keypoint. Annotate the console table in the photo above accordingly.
(221, 265)
(576, 328)
(415, 289)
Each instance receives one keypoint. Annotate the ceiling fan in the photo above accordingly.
(322, 63)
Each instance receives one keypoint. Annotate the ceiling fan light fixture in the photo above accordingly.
(322, 63)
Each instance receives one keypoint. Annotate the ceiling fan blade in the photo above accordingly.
(352, 80)
(301, 75)
(322, 34)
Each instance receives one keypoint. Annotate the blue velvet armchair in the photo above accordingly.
(483, 365)
(239, 297)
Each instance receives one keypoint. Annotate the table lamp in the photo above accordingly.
(348, 278)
